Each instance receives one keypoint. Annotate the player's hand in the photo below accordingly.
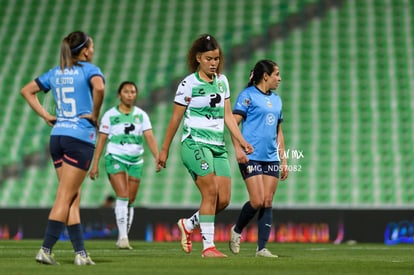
(93, 173)
(241, 156)
(284, 171)
(247, 148)
(92, 119)
(50, 120)
(161, 161)
(157, 165)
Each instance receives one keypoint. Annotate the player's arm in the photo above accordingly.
(240, 154)
(177, 115)
(233, 127)
(99, 147)
(282, 155)
(29, 92)
(153, 146)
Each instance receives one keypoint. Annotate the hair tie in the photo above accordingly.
(251, 75)
(81, 45)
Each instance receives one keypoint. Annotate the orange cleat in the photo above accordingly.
(212, 252)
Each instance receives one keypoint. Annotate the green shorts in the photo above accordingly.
(114, 166)
(202, 159)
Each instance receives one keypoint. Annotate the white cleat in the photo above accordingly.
(265, 253)
(45, 258)
(80, 260)
(123, 243)
(234, 243)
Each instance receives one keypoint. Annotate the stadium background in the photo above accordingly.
(347, 69)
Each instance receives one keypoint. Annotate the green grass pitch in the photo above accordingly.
(17, 257)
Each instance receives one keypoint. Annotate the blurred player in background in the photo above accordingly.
(203, 99)
(122, 130)
(260, 112)
(78, 90)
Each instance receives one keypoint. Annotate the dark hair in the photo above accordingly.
(203, 43)
(261, 67)
(121, 86)
(71, 48)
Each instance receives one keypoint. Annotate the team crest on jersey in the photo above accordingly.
(246, 102)
(204, 165)
(137, 119)
(220, 86)
(269, 103)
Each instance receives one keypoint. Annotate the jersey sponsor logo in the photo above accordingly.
(67, 72)
(270, 119)
(129, 127)
(214, 100)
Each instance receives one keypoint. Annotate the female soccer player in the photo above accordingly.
(260, 111)
(78, 89)
(202, 98)
(124, 127)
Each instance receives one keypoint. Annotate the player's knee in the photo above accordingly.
(257, 203)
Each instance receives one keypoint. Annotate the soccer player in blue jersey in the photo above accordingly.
(78, 90)
(203, 100)
(260, 112)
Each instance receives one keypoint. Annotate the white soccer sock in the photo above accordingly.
(130, 217)
(121, 216)
(207, 232)
(193, 221)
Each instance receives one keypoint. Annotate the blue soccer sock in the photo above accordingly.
(247, 213)
(53, 231)
(264, 224)
(76, 237)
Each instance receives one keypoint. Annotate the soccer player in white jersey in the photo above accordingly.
(123, 129)
(203, 99)
(78, 89)
(260, 112)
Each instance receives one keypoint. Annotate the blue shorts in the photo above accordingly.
(73, 151)
(254, 168)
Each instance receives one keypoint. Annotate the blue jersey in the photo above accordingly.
(261, 115)
(72, 92)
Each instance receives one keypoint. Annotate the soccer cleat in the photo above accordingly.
(212, 252)
(186, 244)
(81, 260)
(123, 243)
(265, 253)
(234, 242)
(45, 258)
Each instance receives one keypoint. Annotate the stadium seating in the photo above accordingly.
(346, 92)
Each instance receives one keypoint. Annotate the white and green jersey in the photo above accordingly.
(204, 117)
(125, 134)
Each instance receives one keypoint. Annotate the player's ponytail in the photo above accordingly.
(65, 55)
(261, 67)
(71, 47)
